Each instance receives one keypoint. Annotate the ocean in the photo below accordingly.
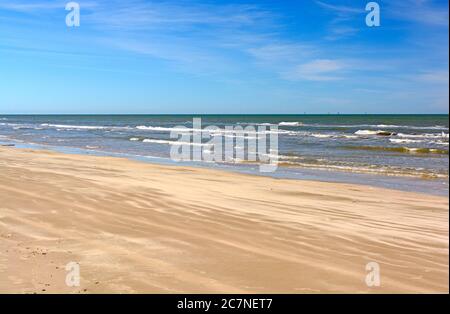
(407, 152)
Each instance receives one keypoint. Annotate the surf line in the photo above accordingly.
(228, 144)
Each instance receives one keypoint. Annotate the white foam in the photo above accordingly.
(401, 141)
(82, 127)
(370, 132)
(165, 129)
(290, 123)
(393, 126)
(318, 135)
(64, 126)
(440, 143)
(215, 132)
(365, 132)
(370, 126)
(425, 135)
(175, 142)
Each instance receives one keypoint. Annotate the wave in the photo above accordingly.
(401, 141)
(210, 131)
(23, 128)
(165, 129)
(64, 126)
(328, 135)
(175, 142)
(371, 132)
(83, 127)
(19, 126)
(239, 136)
(440, 143)
(380, 170)
(370, 126)
(327, 165)
(253, 134)
(425, 135)
(318, 135)
(390, 126)
(406, 140)
(414, 150)
(290, 123)
(273, 155)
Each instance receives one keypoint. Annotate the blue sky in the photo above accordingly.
(224, 57)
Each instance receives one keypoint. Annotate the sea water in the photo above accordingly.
(407, 152)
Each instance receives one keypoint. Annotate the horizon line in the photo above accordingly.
(212, 114)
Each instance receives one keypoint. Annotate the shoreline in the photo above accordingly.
(384, 181)
(144, 227)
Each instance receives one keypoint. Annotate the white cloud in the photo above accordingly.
(435, 77)
(338, 26)
(419, 11)
(317, 70)
(39, 6)
(174, 16)
(281, 52)
(338, 32)
(340, 9)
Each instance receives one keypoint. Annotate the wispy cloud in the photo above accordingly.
(275, 53)
(341, 31)
(180, 55)
(175, 16)
(31, 7)
(340, 9)
(419, 11)
(190, 35)
(247, 43)
(41, 6)
(440, 76)
(196, 37)
(338, 26)
(317, 70)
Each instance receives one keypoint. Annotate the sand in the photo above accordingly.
(141, 228)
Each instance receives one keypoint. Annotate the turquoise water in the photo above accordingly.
(408, 152)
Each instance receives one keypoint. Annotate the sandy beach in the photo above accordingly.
(142, 228)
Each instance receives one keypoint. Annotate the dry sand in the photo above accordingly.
(137, 227)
